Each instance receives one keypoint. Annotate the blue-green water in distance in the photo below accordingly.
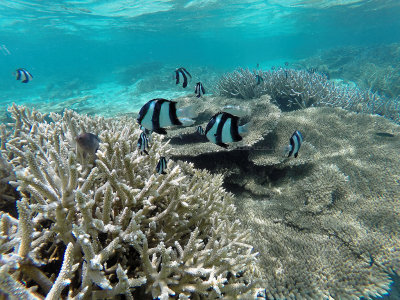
(89, 42)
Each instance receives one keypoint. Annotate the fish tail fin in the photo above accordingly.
(187, 112)
(186, 121)
(236, 110)
(286, 150)
(244, 129)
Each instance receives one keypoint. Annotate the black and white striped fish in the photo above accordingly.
(147, 132)
(224, 128)
(295, 142)
(143, 143)
(159, 113)
(182, 72)
(200, 130)
(161, 165)
(23, 75)
(199, 90)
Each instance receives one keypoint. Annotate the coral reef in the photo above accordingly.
(372, 68)
(293, 89)
(326, 223)
(115, 227)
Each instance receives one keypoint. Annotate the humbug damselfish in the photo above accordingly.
(23, 75)
(295, 143)
(159, 113)
(224, 128)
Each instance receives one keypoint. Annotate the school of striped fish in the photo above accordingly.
(158, 114)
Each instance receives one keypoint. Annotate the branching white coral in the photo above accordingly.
(114, 225)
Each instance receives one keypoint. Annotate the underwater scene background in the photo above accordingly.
(120, 51)
(324, 225)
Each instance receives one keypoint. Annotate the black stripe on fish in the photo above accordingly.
(177, 76)
(200, 130)
(155, 119)
(26, 75)
(184, 73)
(218, 133)
(161, 165)
(233, 130)
(211, 123)
(143, 143)
(172, 113)
(199, 90)
(143, 111)
(295, 143)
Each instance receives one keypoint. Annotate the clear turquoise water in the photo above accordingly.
(77, 46)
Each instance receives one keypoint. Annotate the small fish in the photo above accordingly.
(258, 65)
(295, 142)
(200, 130)
(184, 73)
(143, 143)
(259, 79)
(273, 68)
(88, 142)
(224, 128)
(23, 75)
(312, 70)
(147, 132)
(161, 165)
(199, 90)
(286, 63)
(159, 113)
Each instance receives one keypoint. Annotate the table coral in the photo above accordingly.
(325, 223)
(115, 227)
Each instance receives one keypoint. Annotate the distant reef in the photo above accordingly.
(375, 68)
(292, 88)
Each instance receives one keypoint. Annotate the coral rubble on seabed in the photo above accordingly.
(96, 231)
(326, 224)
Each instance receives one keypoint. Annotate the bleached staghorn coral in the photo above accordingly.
(7, 192)
(116, 226)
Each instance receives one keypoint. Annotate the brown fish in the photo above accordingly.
(88, 142)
